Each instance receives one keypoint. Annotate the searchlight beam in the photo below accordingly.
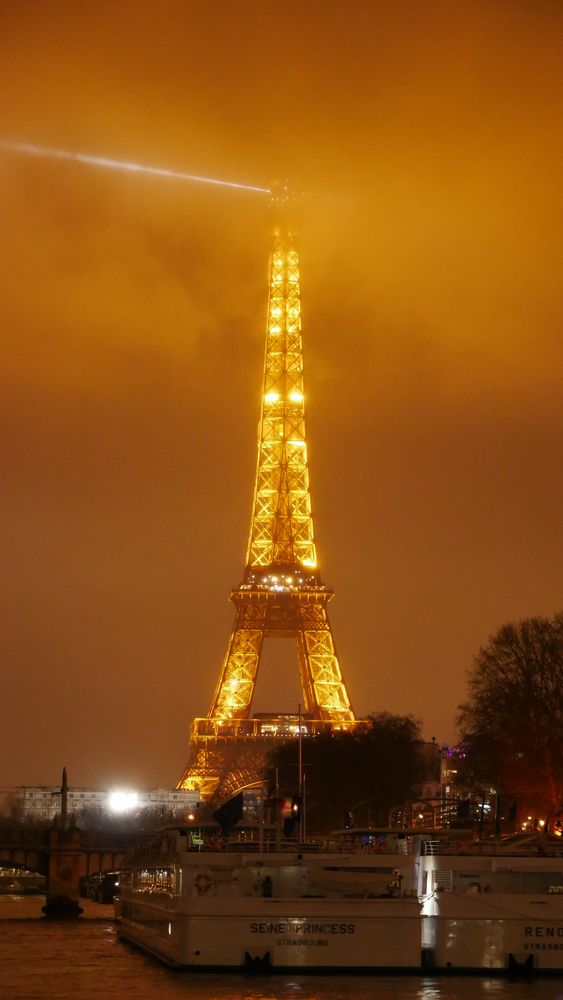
(29, 149)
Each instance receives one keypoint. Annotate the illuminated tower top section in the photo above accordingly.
(281, 531)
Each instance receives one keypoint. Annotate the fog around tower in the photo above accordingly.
(428, 141)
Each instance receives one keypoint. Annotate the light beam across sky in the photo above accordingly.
(30, 149)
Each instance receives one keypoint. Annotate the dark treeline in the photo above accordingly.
(355, 777)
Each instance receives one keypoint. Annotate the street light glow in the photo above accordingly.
(121, 802)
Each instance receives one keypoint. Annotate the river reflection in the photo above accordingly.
(84, 960)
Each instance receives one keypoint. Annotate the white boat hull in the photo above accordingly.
(502, 932)
(375, 934)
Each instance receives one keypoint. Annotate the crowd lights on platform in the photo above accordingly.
(281, 581)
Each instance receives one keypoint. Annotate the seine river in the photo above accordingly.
(85, 960)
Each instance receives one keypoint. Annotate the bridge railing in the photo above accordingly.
(26, 836)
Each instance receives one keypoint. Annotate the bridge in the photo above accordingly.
(64, 856)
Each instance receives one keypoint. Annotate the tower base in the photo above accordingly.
(229, 755)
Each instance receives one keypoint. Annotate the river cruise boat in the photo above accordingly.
(255, 907)
(494, 906)
(372, 901)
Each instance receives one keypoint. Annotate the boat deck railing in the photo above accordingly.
(435, 847)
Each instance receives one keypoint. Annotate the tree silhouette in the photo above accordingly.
(512, 722)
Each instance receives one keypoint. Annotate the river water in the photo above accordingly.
(84, 960)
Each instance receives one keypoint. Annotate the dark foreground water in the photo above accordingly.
(40, 960)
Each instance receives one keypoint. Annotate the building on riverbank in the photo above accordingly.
(43, 802)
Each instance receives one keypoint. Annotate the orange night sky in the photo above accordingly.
(428, 137)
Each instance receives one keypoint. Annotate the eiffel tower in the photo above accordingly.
(281, 594)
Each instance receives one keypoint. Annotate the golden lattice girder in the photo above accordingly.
(281, 594)
(281, 531)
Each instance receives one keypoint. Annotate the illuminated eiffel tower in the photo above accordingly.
(281, 593)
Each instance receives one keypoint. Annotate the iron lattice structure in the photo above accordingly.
(281, 594)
